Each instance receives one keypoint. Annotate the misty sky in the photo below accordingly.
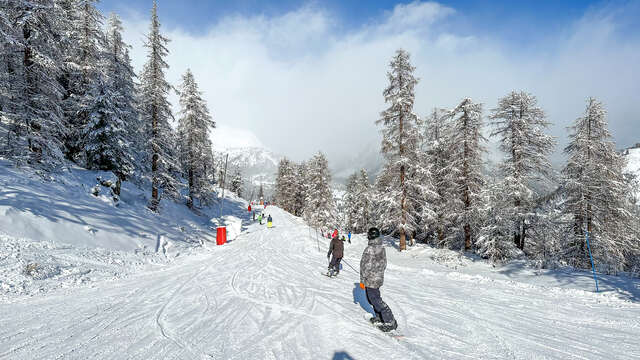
(298, 77)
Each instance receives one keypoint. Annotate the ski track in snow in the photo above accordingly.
(262, 296)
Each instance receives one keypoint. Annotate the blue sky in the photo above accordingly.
(513, 20)
(273, 71)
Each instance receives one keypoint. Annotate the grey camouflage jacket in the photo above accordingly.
(373, 264)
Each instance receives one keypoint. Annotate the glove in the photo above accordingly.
(361, 286)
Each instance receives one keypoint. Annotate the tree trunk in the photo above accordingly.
(27, 62)
(466, 197)
(119, 179)
(403, 205)
(190, 201)
(154, 162)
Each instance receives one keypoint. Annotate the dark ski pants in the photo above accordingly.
(335, 263)
(380, 307)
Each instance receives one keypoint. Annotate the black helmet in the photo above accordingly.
(373, 233)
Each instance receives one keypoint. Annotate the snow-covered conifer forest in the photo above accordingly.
(113, 198)
(436, 187)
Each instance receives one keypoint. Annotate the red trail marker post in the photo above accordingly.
(221, 235)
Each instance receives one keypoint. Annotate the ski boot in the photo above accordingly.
(386, 327)
(330, 273)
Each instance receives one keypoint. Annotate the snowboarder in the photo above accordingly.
(349, 236)
(372, 267)
(336, 247)
(269, 221)
(260, 219)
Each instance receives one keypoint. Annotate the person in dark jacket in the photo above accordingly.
(336, 247)
(372, 267)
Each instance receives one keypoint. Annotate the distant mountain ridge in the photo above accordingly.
(258, 166)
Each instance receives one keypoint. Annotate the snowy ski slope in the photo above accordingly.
(262, 296)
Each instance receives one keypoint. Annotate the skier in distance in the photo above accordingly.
(336, 248)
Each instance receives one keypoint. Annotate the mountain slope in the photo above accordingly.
(262, 296)
(66, 230)
(258, 166)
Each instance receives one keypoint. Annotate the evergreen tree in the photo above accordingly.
(286, 185)
(519, 123)
(301, 185)
(597, 195)
(466, 165)
(83, 79)
(406, 182)
(112, 117)
(106, 146)
(155, 111)
(236, 182)
(349, 210)
(261, 193)
(495, 239)
(357, 208)
(121, 75)
(31, 106)
(8, 45)
(438, 146)
(320, 209)
(194, 144)
(548, 230)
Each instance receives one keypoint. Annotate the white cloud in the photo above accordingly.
(300, 83)
(415, 15)
(225, 137)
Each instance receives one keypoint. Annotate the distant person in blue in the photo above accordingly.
(349, 237)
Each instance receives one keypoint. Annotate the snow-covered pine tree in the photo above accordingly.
(520, 123)
(597, 195)
(106, 146)
(84, 78)
(8, 45)
(363, 221)
(112, 115)
(236, 182)
(349, 209)
(466, 164)
(438, 157)
(193, 131)
(120, 74)
(548, 230)
(357, 207)
(33, 114)
(286, 185)
(155, 111)
(261, 193)
(406, 182)
(320, 210)
(495, 239)
(300, 175)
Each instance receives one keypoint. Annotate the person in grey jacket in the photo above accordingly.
(372, 267)
(337, 249)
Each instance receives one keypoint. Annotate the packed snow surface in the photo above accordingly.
(262, 296)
